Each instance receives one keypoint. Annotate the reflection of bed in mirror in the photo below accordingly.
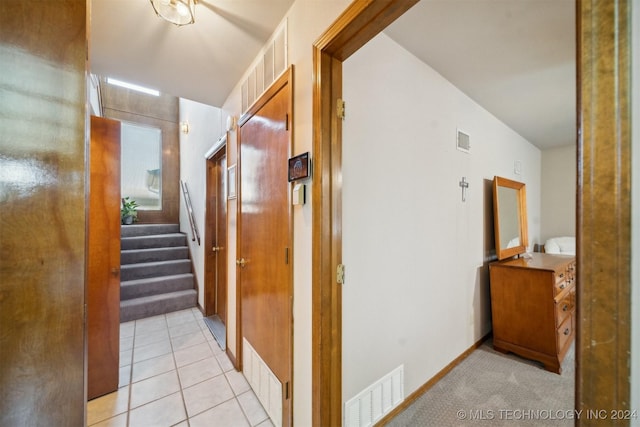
(143, 186)
(565, 245)
(532, 295)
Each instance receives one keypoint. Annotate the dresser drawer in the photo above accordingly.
(571, 270)
(565, 332)
(563, 281)
(564, 307)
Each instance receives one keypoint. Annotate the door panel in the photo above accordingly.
(221, 241)
(264, 237)
(103, 258)
(216, 238)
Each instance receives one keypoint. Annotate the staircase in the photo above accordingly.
(155, 272)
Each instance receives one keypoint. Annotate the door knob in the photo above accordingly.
(241, 262)
(216, 248)
(115, 272)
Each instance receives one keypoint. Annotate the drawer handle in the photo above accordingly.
(565, 307)
(566, 331)
(563, 285)
(561, 275)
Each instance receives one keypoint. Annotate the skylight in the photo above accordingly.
(133, 86)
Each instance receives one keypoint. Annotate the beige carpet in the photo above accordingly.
(489, 388)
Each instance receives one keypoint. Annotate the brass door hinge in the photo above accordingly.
(340, 274)
(341, 109)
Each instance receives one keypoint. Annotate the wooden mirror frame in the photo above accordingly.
(521, 195)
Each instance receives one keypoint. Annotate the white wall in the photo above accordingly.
(204, 131)
(558, 192)
(416, 256)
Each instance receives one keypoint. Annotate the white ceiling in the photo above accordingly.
(201, 62)
(516, 58)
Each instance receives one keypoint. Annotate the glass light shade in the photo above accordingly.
(178, 12)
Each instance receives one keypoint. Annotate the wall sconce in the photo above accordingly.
(178, 12)
(231, 123)
(184, 127)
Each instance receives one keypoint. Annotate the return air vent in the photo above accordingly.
(463, 142)
(263, 381)
(267, 67)
(377, 400)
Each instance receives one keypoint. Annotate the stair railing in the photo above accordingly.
(192, 221)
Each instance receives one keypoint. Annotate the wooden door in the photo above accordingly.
(216, 238)
(264, 246)
(103, 258)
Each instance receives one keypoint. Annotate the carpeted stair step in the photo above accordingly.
(133, 256)
(131, 289)
(153, 305)
(153, 241)
(154, 269)
(148, 229)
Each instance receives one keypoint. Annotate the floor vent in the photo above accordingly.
(377, 400)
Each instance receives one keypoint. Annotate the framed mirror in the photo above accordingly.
(141, 165)
(509, 217)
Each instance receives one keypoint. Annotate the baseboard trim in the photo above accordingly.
(233, 359)
(426, 386)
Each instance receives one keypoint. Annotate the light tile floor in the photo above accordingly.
(173, 373)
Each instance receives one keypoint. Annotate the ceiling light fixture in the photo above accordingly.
(178, 12)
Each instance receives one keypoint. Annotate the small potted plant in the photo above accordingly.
(128, 211)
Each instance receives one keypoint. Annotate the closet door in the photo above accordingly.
(103, 258)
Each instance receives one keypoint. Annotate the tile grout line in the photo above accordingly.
(175, 363)
(235, 395)
(164, 317)
(130, 385)
(137, 335)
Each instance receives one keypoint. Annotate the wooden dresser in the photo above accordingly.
(533, 307)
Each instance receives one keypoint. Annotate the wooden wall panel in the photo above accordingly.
(161, 112)
(163, 107)
(42, 214)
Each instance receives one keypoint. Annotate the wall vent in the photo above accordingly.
(377, 400)
(268, 66)
(462, 142)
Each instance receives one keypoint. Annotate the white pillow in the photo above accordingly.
(560, 245)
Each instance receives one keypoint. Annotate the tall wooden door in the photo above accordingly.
(216, 238)
(103, 258)
(264, 245)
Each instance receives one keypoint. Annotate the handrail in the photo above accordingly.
(192, 221)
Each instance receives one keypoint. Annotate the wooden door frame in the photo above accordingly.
(210, 234)
(597, 28)
(604, 205)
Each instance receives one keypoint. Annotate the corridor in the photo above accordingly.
(173, 373)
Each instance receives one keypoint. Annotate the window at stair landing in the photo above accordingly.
(141, 165)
